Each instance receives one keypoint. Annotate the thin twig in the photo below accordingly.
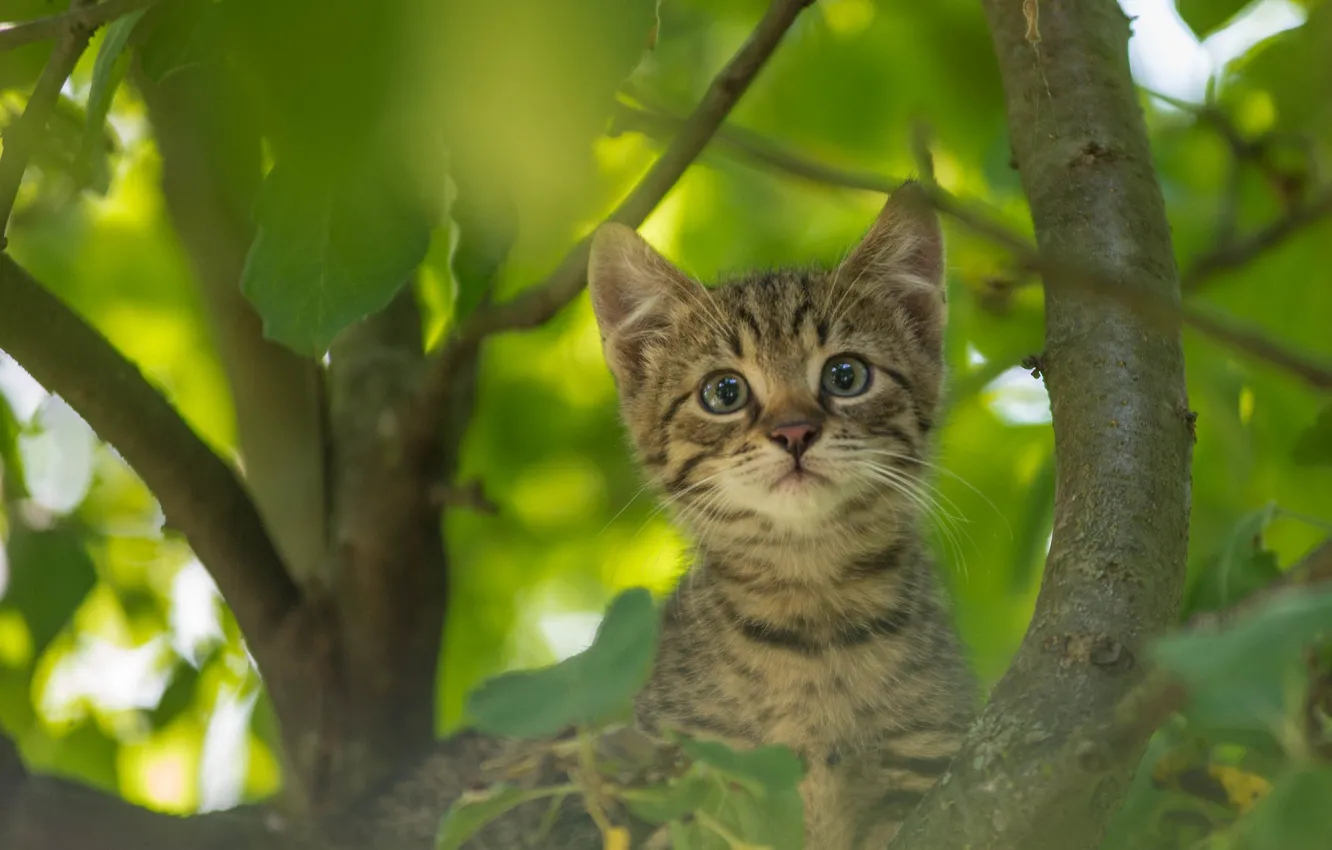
(89, 17)
(537, 305)
(1240, 253)
(23, 136)
(1150, 304)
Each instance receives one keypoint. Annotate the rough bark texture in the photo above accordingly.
(1115, 570)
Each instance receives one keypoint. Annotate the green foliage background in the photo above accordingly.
(573, 527)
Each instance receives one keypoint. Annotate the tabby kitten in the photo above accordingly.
(786, 418)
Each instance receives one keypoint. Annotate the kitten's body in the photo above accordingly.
(811, 617)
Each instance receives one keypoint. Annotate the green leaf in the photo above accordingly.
(1206, 16)
(474, 809)
(668, 801)
(108, 72)
(1295, 814)
(50, 575)
(766, 808)
(1314, 446)
(13, 486)
(1241, 567)
(178, 697)
(334, 244)
(773, 768)
(587, 689)
(1249, 676)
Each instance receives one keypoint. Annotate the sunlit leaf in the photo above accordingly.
(108, 71)
(586, 689)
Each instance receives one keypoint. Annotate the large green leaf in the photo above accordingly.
(333, 246)
(587, 689)
(1249, 676)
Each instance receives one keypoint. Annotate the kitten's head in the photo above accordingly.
(789, 396)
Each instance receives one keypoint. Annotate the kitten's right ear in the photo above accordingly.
(633, 291)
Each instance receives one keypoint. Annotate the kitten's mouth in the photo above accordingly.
(798, 476)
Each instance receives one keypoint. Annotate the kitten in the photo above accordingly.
(786, 417)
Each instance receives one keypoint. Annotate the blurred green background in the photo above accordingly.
(147, 690)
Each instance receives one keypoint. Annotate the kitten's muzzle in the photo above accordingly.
(795, 437)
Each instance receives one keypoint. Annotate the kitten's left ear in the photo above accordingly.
(634, 291)
(902, 256)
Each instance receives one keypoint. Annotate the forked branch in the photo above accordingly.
(538, 304)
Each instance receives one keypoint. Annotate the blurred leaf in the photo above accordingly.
(1314, 447)
(587, 689)
(20, 67)
(1242, 566)
(1034, 532)
(769, 811)
(487, 225)
(12, 483)
(179, 696)
(771, 768)
(1206, 16)
(50, 574)
(668, 801)
(474, 809)
(1292, 67)
(1244, 677)
(332, 247)
(108, 72)
(1296, 814)
(182, 33)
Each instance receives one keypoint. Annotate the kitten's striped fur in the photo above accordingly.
(812, 616)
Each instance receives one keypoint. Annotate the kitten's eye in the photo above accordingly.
(845, 376)
(723, 392)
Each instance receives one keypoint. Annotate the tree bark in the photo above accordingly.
(1123, 446)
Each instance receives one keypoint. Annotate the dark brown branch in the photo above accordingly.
(89, 17)
(24, 135)
(200, 494)
(538, 304)
(1164, 312)
(1115, 571)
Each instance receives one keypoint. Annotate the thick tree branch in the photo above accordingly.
(25, 134)
(88, 17)
(1164, 311)
(1116, 565)
(538, 304)
(200, 494)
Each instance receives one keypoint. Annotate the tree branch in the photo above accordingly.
(1165, 312)
(200, 494)
(88, 17)
(1236, 254)
(1115, 571)
(538, 304)
(23, 136)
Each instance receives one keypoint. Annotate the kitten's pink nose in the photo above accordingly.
(795, 437)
